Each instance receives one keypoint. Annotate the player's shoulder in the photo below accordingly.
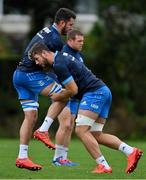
(51, 32)
(61, 58)
(54, 33)
(68, 56)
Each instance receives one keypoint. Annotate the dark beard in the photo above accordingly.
(63, 32)
(46, 66)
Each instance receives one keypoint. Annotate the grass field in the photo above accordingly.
(43, 156)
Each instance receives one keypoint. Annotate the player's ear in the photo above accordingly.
(62, 23)
(44, 53)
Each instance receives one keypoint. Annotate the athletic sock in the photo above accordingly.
(23, 151)
(46, 124)
(101, 160)
(65, 152)
(59, 151)
(126, 149)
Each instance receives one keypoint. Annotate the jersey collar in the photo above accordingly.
(55, 27)
(55, 54)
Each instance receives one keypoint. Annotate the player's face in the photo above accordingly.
(68, 26)
(41, 61)
(77, 43)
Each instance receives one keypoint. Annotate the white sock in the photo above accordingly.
(65, 152)
(46, 124)
(101, 160)
(59, 151)
(126, 149)
(23, 151)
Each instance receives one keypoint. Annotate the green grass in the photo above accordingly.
(43, 156)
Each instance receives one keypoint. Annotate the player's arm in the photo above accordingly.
(70, 90)
(72, 87)
(63, 95)
(67, 81)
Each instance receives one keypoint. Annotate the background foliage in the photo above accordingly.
(114, 50)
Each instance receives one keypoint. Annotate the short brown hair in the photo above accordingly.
(73, 33)
(64, 14)
(37, 48)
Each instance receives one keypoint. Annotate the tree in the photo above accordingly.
(119, 39)
(38, 10)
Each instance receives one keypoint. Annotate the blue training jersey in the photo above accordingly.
(50, 37)
(67, 49)
(68, 68)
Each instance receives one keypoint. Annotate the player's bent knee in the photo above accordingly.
(81, 130)
(30, 110)
(67, 127)
(31, 116)
(97, 127)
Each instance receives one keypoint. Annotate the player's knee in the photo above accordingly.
(97, 135)
(83, 123)
(31, 116)
(30, 109)
(68, 126)
(66, 123)
(34, 117)
(80, 131)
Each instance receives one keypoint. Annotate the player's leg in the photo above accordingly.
(89, 110)
(42, 133)
(96, 129)
(133, 154)
(29, 105)
(84, 122)
(28, 87)
(112, 141)
(30, 118)
(63, 136)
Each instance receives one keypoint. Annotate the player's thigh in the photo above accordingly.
(30, 83)
(69, 112)
(106, 107)
(95, 101)
(90, 107)
(66, 119)
(65, 116)
(25, 94)
(19, 81)
(27, 98)
(39, 81)
(98, 125)
(88, 113)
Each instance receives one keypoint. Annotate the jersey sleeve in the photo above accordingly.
(57, 44)
(63, 73)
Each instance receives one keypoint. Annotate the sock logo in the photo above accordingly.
(123, 148)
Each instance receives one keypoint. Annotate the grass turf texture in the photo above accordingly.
(43, 156)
